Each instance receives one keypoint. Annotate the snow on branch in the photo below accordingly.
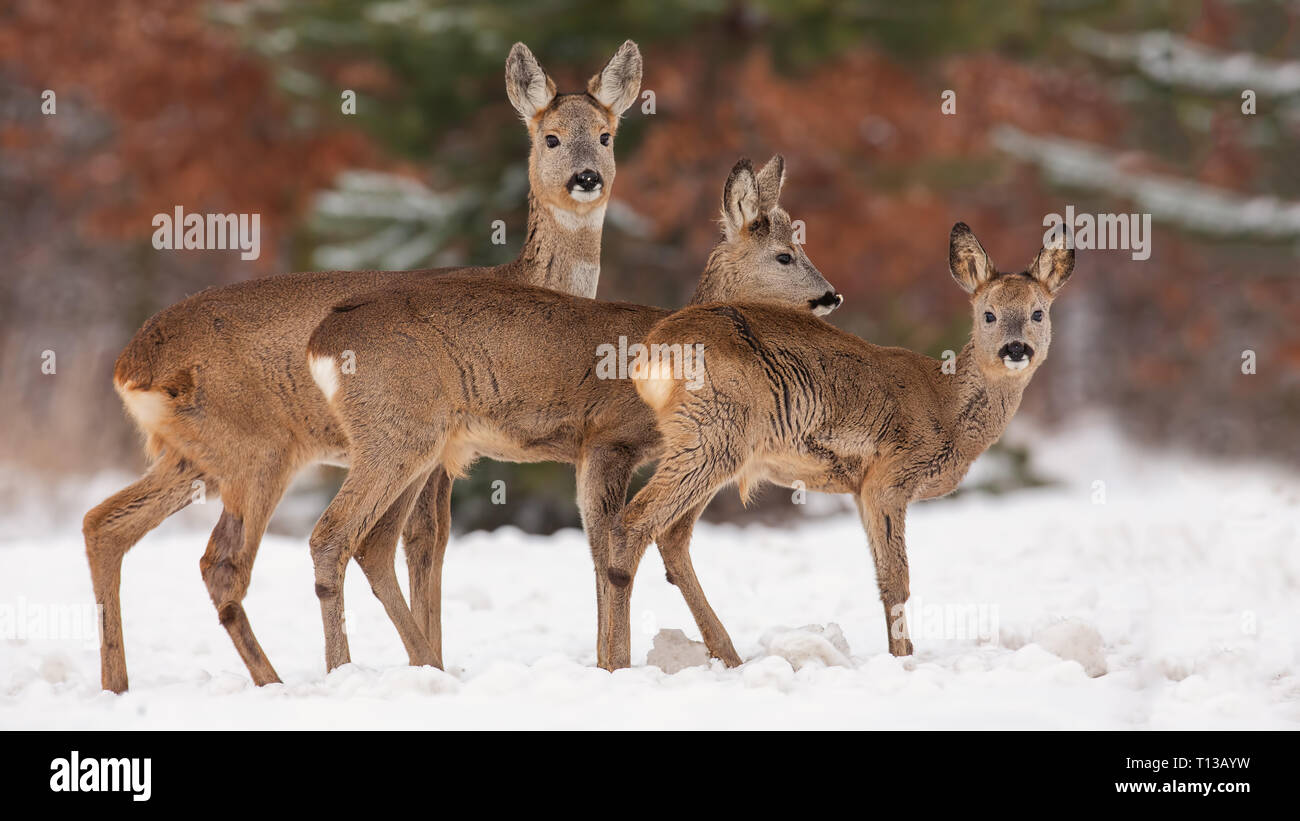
(1177, 61)
(1190, 205)
(395, 222)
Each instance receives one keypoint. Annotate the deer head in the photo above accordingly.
(571, 162)
(758, 259)
(1013, 326)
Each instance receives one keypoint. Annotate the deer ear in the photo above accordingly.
(617, 84)
(770, 180)
(740, 199)
(529, 89)
(1053, 266)
(967, 260)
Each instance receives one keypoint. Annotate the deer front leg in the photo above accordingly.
(883, 518)
(625, 553)
(604, 474)
(675, 548)
(685, 480)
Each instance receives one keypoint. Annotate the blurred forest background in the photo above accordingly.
(1111, 106)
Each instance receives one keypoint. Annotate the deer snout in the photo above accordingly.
(827, 302)
(1016, 355)
(585, 185)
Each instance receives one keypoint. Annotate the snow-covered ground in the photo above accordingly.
(1167, 597)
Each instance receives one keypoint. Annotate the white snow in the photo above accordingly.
(1167, 596)
(1074, 641)
(812, 644)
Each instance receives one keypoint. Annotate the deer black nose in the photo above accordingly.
(824, 304)
(587, 180)
(1016, 350)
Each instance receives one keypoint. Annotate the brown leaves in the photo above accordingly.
(186, 118)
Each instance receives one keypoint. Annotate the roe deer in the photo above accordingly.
(790, 398)
(219, 386)
(445, 375)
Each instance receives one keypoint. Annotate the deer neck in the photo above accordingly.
(715, 282)
(562, 248)
(981, 406)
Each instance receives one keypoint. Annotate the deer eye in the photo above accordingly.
(989, 317)
(784, 259)
(604, 139)
(552, 140)
(1037, 316)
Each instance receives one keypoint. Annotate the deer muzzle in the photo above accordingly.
(827, 302)
(1016, 355)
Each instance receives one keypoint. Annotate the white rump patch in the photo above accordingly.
(656, 386)
(325, 374)
(146, 407)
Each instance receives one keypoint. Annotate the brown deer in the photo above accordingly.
(446, 375)
(219, 386)
(789, 398)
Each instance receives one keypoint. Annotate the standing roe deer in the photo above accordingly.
(219, 386)
(445, 375)
(790, 398)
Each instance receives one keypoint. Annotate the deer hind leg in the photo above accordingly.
(111, 529)
(883, 520)
(375, 480)
(685, 480)
(425, 540)
(375, 554)
(604, 474)
(227, 564)
(675, 548)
